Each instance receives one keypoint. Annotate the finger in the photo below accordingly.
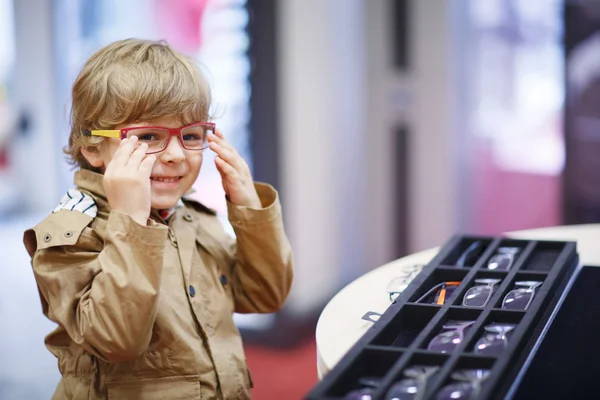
(216, 135)
(114, 161)
(221, 141)
(219, 164)
(226, 171)
(137, 156)
(146, 165)
(229, 155)
(124, 151)
(219, 133)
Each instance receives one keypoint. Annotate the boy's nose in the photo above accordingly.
(174, 152)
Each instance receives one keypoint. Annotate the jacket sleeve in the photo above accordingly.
(103, 294)
(263, 271)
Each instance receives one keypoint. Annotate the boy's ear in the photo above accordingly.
(93, 156)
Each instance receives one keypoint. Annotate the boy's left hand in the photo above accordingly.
(235, 173)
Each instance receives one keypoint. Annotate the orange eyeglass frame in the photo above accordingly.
(441, 295)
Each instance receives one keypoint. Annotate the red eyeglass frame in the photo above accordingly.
(122, 133)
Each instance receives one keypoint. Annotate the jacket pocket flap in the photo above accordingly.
(172, 388)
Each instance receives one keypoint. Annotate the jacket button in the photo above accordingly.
(188, 218)
(192, 291)
(223, 280)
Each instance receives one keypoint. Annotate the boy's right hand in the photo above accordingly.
(127, 180)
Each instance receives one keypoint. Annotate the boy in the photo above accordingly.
(141, 281)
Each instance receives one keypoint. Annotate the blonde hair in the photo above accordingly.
(130, 81)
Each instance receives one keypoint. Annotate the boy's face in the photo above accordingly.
(174, 171)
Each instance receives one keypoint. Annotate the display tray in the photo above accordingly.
(491, 297)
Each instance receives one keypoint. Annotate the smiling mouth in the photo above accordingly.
(166, 179)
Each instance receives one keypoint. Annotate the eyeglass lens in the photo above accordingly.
(453, 391)
(413, 386)
(452, 336)
(520, 298)
(479, 295)
(467, 389)
(494, 340)
(193, 137)
(360, 394)
(503, 260)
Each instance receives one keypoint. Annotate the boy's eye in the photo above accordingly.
(147, 137)
(192, 137)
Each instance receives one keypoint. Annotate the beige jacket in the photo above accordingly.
(145, 312)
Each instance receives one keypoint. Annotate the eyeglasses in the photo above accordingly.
(504, 259)
(413, 386)
(479, 295)
(399, 284)
(449, 339)
(191, 137)
(520, 298)
(440, 292)
(470, 255)
(495, 340)
(468, 386)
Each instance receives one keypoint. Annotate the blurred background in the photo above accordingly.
(387, 126)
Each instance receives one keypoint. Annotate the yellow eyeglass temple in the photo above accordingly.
(106, 133)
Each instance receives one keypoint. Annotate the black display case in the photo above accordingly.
(492, 331)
